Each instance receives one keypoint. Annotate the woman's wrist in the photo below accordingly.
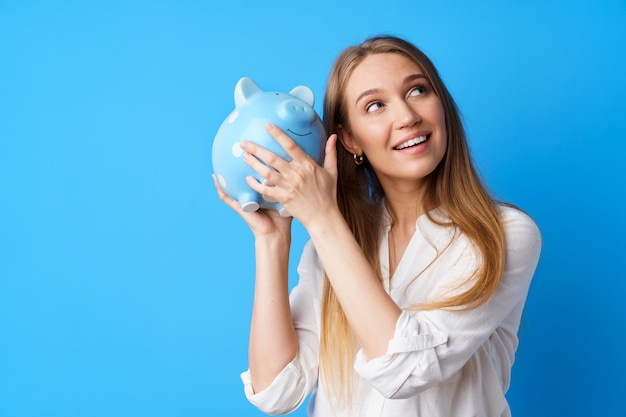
(273, 241)
(325, 224)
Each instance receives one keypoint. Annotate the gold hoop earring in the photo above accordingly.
(358, 159)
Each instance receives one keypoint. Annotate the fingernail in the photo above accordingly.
(269, 127)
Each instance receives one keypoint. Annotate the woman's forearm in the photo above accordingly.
(273, 340)
(372, 314)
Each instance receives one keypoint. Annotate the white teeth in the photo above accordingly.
(412, 142)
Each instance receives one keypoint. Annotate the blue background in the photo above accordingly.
(125, 284)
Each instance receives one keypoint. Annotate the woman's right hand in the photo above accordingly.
(263, 222)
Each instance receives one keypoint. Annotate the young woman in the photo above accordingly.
(413, 283)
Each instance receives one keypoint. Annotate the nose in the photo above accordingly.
(407, 115)
(297, 109)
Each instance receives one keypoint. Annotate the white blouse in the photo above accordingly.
(440, 363)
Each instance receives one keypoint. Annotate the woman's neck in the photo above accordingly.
(404, 207)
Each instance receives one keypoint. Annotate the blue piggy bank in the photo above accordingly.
(254, 109)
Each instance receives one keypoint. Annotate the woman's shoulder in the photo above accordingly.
(310, 268)
(309, 257)
(519, 227)
(514, 216)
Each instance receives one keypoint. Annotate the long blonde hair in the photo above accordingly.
(453, 186)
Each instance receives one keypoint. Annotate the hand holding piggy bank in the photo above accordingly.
(254, 109)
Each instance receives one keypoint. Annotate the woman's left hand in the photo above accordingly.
(302, 186)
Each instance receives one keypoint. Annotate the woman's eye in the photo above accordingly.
(373, 106)
(417, 91)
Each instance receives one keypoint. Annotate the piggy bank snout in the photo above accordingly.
(295, 109)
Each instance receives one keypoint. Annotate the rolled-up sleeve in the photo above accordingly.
(285, 393)
(410, 357)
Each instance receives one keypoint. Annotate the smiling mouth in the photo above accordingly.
(412, 142)
(299, 134)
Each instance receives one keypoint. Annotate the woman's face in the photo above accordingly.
(395, 119)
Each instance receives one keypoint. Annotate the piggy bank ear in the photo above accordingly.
(244, 89)
(304, 93)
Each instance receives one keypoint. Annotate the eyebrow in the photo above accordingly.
(371, 91)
